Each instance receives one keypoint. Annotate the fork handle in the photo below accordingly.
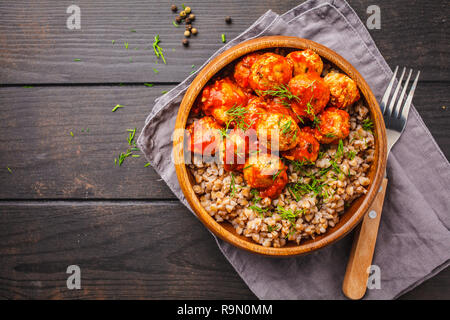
(357, 273)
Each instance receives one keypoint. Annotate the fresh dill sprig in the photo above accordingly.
(367, 124)
(157, 49)
(117, 107)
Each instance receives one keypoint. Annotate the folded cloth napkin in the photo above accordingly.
(414, 239)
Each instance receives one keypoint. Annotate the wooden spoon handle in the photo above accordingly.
(357, 273)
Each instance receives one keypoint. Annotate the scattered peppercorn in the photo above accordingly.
(187, 10)
(178, 19)
(174, 8)
(228, 19)
(187, 33)
(192, 17)
(194, 31)
(183, 14)
(189, 27)
(185, 42)
(187, 20)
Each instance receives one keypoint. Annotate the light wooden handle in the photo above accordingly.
(357, 273)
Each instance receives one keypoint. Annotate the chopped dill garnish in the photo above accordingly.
(132, 30)
(259, 210)
(237, 114)
(157, 49)
(131, 135)
(148, 84)
(367, 124)
(76, 60)
(164, 91)
(175, 24)
(71, 133)
(340, 149)
(232, 185)
(276, 175)
(126, 45)
(27, 87)
(117, 107)
(255, 194)
(335, 166)
(280, 91)
(155, 70)
(9, 169)
(329, 135)
(147, 164)
(351, 155)
(285, 128)
(223, 38)
(113, 41)
(249, 166)
(135, 156)
(289, 215)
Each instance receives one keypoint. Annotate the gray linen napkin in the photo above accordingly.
(414, 239)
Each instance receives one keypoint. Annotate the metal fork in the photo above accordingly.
(395, 114)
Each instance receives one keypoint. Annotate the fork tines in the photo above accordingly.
(400, 110)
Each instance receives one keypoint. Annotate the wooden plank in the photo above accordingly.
(125, 251)
(37, 47)
(48, 163)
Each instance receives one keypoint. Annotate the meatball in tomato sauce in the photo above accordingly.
(334, 124)
(220, 97)
(311, 95)
(305, 61)
(254, 111)
(283, 106)
(307, 148)
(242, 70)
(277, 131)
(267, 173)
(235, 149)
(343, 90)
(204, 136)
(269, 72)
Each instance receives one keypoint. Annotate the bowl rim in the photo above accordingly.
(215, 66)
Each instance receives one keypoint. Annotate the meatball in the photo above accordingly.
(203, 136)
(307, 148)
(283, 106)
(255, 109)
(269, 72)
(220, 97)
(276, 126)
(305, 61)
(334, 124)
(343, 90)
(235, 148)
(266, 173)
(242, 70)
(311, 94)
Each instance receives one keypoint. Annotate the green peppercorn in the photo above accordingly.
(228, 19)
(187, 33)
(187, 10)
(192, 17)
(185, 42)
(183, 14)
(194, 31)
(174, 8)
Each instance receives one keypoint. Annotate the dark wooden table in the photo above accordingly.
(65, 203)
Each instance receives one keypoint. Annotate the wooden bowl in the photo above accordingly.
(351, 217)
